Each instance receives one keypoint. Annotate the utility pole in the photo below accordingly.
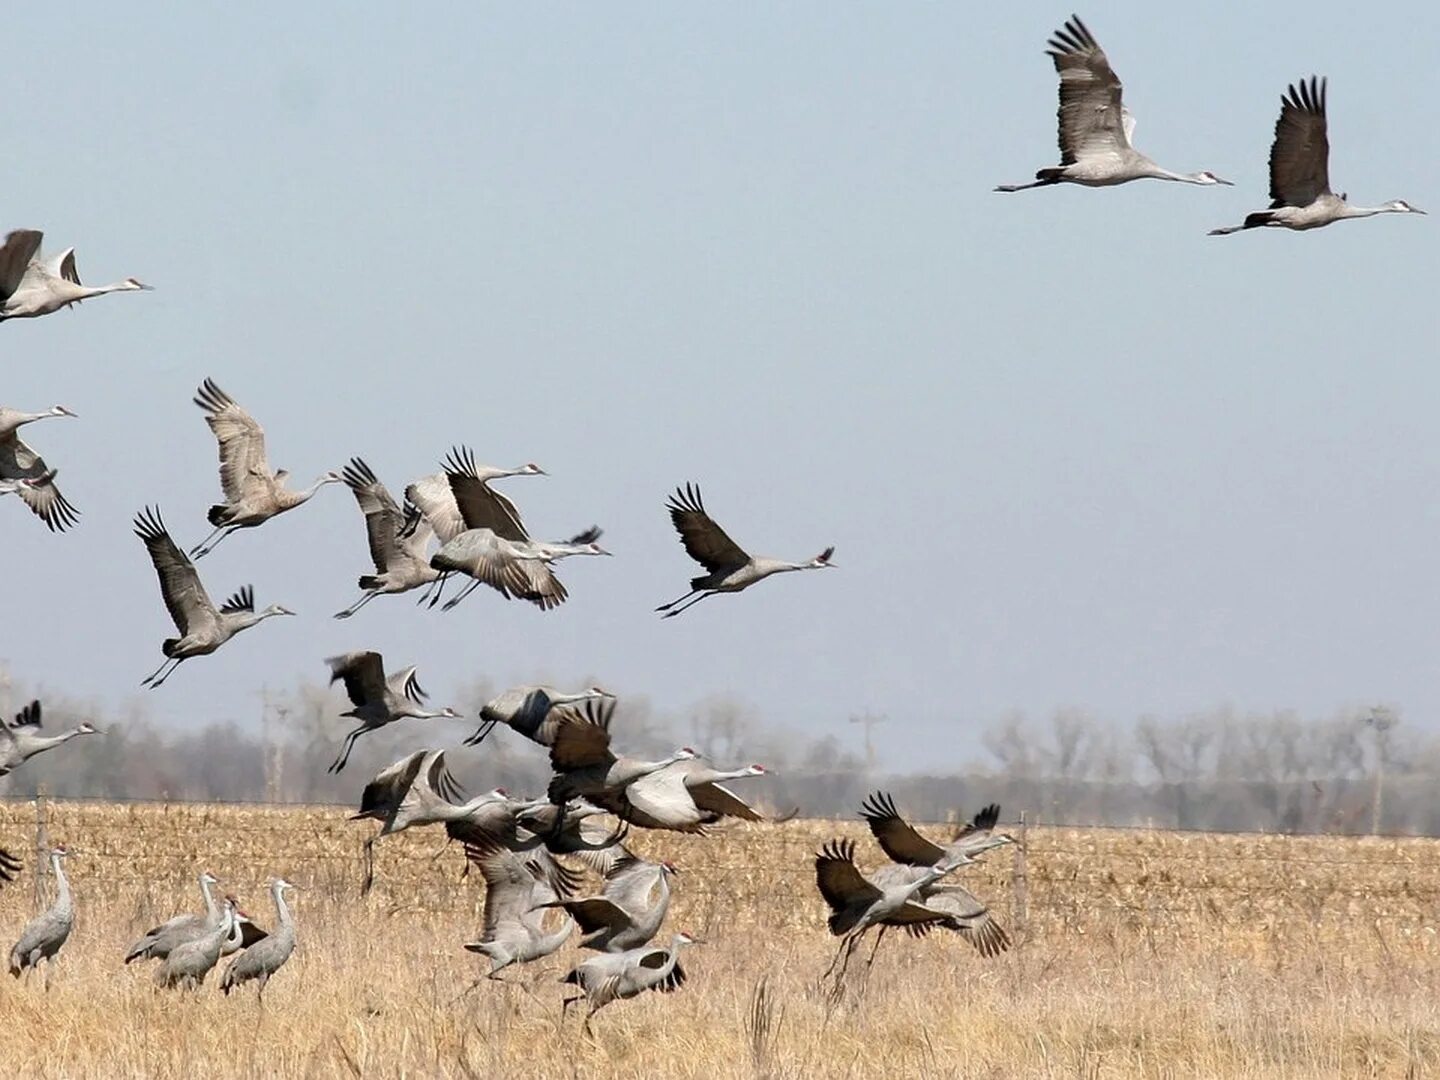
(868, 720)
(1382, 718)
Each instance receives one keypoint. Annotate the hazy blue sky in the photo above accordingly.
(1071, 450)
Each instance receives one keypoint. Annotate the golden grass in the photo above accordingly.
(1141, 954)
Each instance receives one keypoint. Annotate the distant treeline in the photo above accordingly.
(1355, 772)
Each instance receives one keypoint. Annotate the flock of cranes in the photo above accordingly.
(456, 524)
(1096, 151)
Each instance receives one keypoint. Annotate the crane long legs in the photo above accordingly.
(461, 595)
(673, 610)
(205, 546)
(156, 677)
(479, 736)
(345, 748)
(370, 594)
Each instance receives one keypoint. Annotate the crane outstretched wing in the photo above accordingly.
(480, 505)
(383, 519)
(839, 880)
(705, 541)
(185, 598)
(1093, 118)
(43, 498)
(19, 248)
(895, 835)
(241, 441)
(363, 673)
(1300, 155)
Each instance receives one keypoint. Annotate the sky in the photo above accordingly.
(1070, 450)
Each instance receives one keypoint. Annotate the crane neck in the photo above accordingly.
(211, 912)
(282, 909)
(62, 883)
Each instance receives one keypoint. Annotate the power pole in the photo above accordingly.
(868, 720)
(1382, 718)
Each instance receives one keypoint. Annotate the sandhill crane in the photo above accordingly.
(683, 797)
(19, 741)
(1300, 170)
(159, 940)
(529, 711)
(729, 568)
(9, 867)
(857, 903)
(243, 931)
(399, 540)
(903, 844)
(483, 537)
(29, 287)
(253, 492)
(1095, 126)
(632, 903)
(584, 764)
(617, 976)
(405, 793)
(42, 937)
(202, 627)
(19, 462)
(189, 962)
(265, 957)
(378, 700)
(516, 892)
(965, 913)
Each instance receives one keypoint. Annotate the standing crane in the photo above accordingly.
(159, 940)
(30, 288)
(683, 797)
(45, 934)
(858, 903)
(530, 710)
(728, 568)
(189, 962)
(517, 893)
(1300, 195)
(618, 976)
(378, 700)
(399, 540)
(203, 628)
(632, 903)
(586, 767)
(265, 957)
(253, 492)
(19, 463)
(19, 741)
(1095, 125)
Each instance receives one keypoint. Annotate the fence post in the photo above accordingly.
(1020, 884)
(42, 843)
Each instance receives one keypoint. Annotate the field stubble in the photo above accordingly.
(1140, 953)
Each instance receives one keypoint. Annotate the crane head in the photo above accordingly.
(61, 410)
(59, 851)
(531, 469)
(684, 937)
(823, 559)
(1400, 206)
(669, 867)
(1207, 177)
(756, 770)
(87, 728)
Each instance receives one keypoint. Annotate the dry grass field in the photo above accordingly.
(1138, 954)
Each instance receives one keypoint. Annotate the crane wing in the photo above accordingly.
(185, 597)
(404, 684)
(981, 825)
(972, 918)
(391, 783)
(899, 841)
(839, 881)
(241, 441)
(662, 797)
(434, 499)
(442, 781)
(63, 266)
(29, 716)
(581, 742)
(19, 248)
(632, 882)
(383, 519)
(480, 505)
(1092, 115)
(509, 885)
(717, 799)
(1300, 156)
(45, 502)
(704, 541)
(363, 673)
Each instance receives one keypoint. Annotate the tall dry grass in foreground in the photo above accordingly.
(1139, 954)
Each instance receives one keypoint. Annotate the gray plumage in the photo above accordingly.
(632, 903)
(531, 711)
(516, 898)
(268, 955)
(729, 568)
(399, 540)
(190, 961)
(585, 766)
(378, 699)
(903, 844)
(34, 481)
(45, 934)
(20, 740)
(203, 627)
(158, 942)
(617, 976)
(1300, 195)
(30, 287)
(1095, 127)
(684, 796)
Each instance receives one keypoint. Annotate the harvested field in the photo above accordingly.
(1137, 954)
